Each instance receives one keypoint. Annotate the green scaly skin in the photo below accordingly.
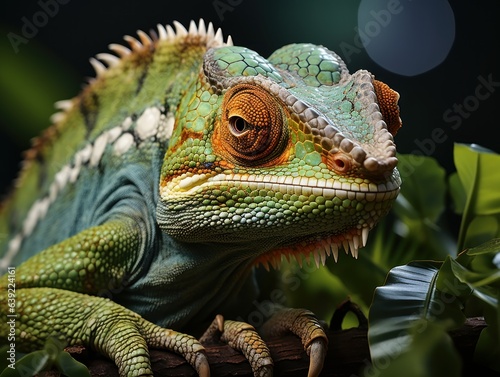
(185, 163)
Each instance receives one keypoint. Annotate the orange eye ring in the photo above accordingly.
(252, 128)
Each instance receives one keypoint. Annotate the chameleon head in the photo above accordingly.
(280, 156)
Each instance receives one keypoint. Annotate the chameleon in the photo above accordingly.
(140, 215)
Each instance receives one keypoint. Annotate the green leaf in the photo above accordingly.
(482, 228)
(409, 295)
(429, 353)
(421, 203)
(68, 366)
(53, 346)
(491, 248)
(29, 365)
(477, 169)
(457, 193)
(450, 286)
(53, 354)
(423, 188)
(479, 270)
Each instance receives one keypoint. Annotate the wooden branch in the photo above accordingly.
(348, 354)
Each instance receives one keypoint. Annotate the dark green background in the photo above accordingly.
(54, 63)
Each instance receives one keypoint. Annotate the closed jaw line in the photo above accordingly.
(189, 183)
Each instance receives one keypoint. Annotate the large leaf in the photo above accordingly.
(410, 295)
(477, 169)
(435, 293)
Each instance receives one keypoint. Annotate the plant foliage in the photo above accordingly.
(420, 301)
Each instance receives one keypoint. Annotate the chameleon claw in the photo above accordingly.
(201, 365)
(317, 353)
(307, 327)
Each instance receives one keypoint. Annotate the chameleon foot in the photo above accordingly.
(99, 323)
(243, 337)
(307, 327)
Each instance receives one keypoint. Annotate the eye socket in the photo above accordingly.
(252, 129)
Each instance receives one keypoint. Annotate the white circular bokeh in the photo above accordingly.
(408, 37)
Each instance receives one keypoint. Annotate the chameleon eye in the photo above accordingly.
(238, 126)
(252, 128)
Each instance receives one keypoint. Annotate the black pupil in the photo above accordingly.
(240, 124)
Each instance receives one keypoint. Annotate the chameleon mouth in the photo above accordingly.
(316, 248)
(317, 251)
(360, 189)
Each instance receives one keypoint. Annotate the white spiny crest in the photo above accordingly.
(99, 68)
(109, 59)
(62, 106)
(120, 50)
(104, 61)
(207, 34)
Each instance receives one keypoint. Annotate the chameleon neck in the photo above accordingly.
(162, 294)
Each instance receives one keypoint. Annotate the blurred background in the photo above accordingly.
(441, 57)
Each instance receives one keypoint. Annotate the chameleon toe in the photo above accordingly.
(243, 337)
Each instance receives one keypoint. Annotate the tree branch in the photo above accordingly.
(348, 354)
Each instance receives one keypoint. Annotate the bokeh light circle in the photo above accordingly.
(408, 37)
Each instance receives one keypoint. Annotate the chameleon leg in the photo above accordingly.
(50, 302)
(109, 328)
(306, 326)
(243, 337)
